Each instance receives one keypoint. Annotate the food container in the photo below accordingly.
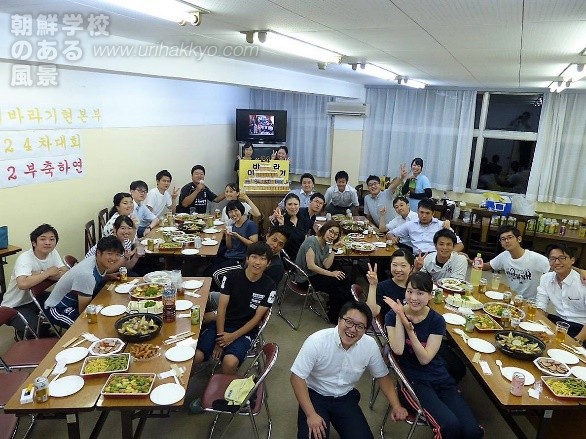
(144, 352)
(566, 387)
(128, 385)
(485, 322)
(95, 366)
(519, 344)
(146, 331)
(552, 367)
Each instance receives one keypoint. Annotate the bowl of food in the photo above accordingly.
(99, 366)
(566, 387)
(518, 344)
(552, 367)
(138, 327)
(147, 291)
(495, 310)
(451, 285)
(144, 351)
(364, 247)
(351, 226)
(128, 385)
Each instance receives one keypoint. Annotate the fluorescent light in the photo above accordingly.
(293, 46)
(379, 72)
(559, 86)
(574, 72)
(410, 82)
(172, 10)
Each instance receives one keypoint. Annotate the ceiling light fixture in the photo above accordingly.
(574, 72)
(293, 46)
(404, 80)
(179, 11)
(379, 72)
(559, 86)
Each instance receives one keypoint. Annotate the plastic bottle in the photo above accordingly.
(476, 272)
(349, 213)
(169, 311)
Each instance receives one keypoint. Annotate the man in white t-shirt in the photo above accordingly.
(522, 267)
(341, 196)
(39, 264)
(404, 214)
(159, 198)
(444, 262)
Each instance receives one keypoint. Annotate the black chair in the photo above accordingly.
(103, 217)
(42, 319)
(89, 235)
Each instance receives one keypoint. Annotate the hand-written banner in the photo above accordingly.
(24, 117)
(40, 170)
(38, 143)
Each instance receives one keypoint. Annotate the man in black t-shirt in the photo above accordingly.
(276, 239)
(196, 194)
(245, 296)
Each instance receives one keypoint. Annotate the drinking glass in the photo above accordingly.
(192, 211)
(496, 281)
(531, 309)
(561, 329)
(507, 295)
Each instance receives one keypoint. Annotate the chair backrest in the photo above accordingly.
(70, 261)
(296, 271)
(485, 218)
(357, 292)
(7, 314)
(270, 352)
(103, 218)
(522, 221)
(259, 335)
(219, 274)
(41, 287)
(89, 235)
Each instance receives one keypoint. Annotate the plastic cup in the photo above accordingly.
(496, 281)
(561, 329)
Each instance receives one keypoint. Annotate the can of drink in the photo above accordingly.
(195, 315)
(562, 230)
(41, 389)
(151, 245)
(92, 314)
(517, 383)
(123, 274)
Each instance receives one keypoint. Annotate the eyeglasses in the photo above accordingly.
(507, 238)
(333, 232)
(559, 258)
(352, 324)
(142, 191)
(373, 183)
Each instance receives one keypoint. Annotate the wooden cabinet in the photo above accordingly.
(266, 203)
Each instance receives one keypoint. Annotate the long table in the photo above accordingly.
(88, 398)
(4, 252)
(498, 388)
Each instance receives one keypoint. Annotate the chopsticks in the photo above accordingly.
(178, 337)
(573, 350)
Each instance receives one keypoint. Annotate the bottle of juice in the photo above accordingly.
(476, 272)
(169, 294)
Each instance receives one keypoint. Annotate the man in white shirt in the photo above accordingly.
(523, 268)
(404, 214)
(380, 202)
(146, 219)
(304, 192)
(39, 264)
(444, 262)
(327, 368)
(159, 198)
(421, 231)
(564, 289)
(341, 196)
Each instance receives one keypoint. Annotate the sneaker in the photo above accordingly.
(195, 407)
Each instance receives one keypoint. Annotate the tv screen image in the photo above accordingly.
(261, 126)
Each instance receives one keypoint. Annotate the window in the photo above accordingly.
(505, 134)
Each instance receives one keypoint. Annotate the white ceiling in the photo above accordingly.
(486, 44)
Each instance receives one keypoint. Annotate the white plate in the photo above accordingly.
(563, 356)
(320, 218)
(380, 244)
(66, 386)
(168, 229)
(339, 251)
(71, 355)
(183, 305)
(167, 394)
(454, 319)
(180, 353)
(579, 372)
(509, 371)
(124, 288)
(480, 345)
(189, 251)
(211, 230)
(494, 295)
(209, 242)
(532, 327)
(155, 240)
(113, 310)
(120, 343)
(157, 277)
(218, 223)
(192, 284)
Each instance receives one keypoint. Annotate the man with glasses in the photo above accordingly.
(563, 288)
(147, 220)
(327, 368)
(380, 202)
(522, 267)
(304, 193)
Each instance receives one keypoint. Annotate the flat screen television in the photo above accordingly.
(263, 126)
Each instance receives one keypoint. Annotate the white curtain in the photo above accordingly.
(308, 128)
(435, 125)
(558, 172)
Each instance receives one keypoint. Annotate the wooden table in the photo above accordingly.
(4, 252)
(88, 398)
(498, 387)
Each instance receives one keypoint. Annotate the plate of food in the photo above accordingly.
(565, 387)
(458, 300)
(339, 217)
(495, 310)
(145, 291)
(363, 247)
(106, 346)
(145, 306)
(104, 365)
(356, 236)
(351, 226)
(552, 367)
(138, 327)
(144, 351)
(484, 322)
(128, 385)
(158, 277)
(183, 239)
(520, 345)
(170, 246)
(156, 241)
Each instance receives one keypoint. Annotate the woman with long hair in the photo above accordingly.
(122, 204)
(296, 225)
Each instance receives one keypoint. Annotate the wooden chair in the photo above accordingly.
(481, 241)
(103, 218)
(89, 235)
(522, 222)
